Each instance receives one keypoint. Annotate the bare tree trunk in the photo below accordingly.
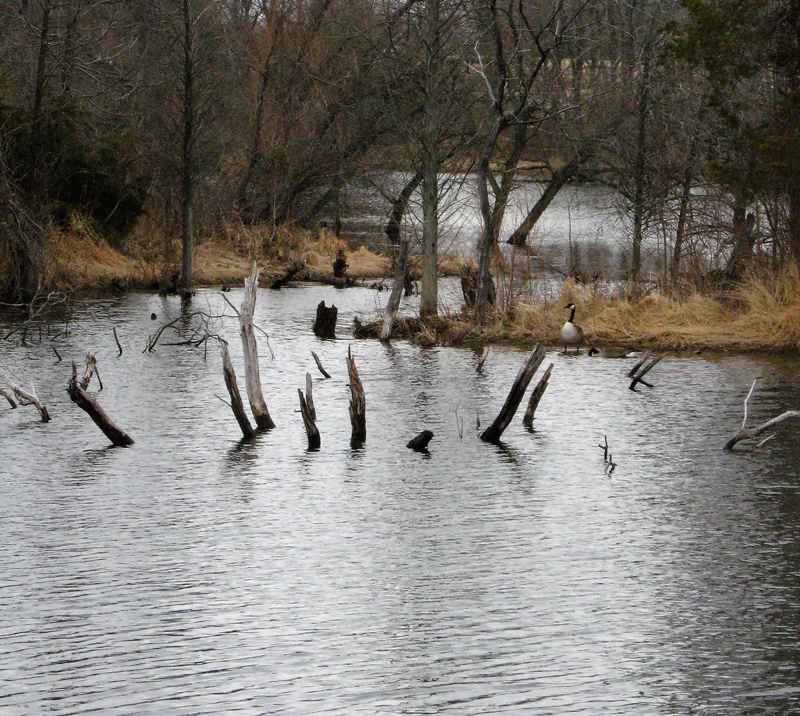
(743, 238)
(683, 214)
(794, 219)
(250, 353)
(41, 63)
(187, 169)
(397, 238)
(486, 241)
(639, 171)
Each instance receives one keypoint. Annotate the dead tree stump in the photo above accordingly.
(233, 390)
(90, 406)
(493, 433)
(309, 420)
(252, 375)
(536, 396)
(420, 443)
(358, 405)
(325, 322)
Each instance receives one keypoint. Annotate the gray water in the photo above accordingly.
(195, 574)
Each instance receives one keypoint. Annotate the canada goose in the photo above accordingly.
(612, 352)
(570, 334)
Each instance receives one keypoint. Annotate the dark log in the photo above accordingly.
(632, 371)
(309, 420)
(288, 274)
(536, 396)
(89, 405)
(324, 372)
(420, 443)
(233, 390)
(358, 405)
(637, 378)
(493, 433)
(325, 322)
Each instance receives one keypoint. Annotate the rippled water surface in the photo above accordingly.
(194, 574)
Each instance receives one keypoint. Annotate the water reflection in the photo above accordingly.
(195, 573)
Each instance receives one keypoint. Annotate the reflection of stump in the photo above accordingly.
(469, 282)
(325, 322)
(340, 266)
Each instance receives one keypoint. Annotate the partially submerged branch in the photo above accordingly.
(25, 397)
(233, 390)
(746, 433)
(90, 406)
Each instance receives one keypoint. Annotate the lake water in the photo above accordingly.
(194, 574)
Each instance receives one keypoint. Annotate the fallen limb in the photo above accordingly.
(493, 433)
(233, 390)
(8, 398)
(536, 396)
(252, 375)
(324, 372)
(25, 397)
(288, 274)
(482, 360)
(358, 405)
(116, 339)
(746, 433)
(90, 406)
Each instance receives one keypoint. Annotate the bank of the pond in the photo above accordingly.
(762, 315)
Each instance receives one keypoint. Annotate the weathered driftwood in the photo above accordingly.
(746, 433)
(637, 378)
(309, 420)
(325, 322)
(310, 398)
(90, 406)
(288, 274)
(420, 443)
(116, 340)
(252, 376)
(493, 433)
(536, 396)
(8, 397)
(25, 397)
(91, 369)
(482, 360)
(233, 390)
(358, 405)
(324, 372)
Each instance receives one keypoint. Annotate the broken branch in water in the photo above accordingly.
(233, 390)
(91, 407)
(116, 339)
(324, 372)
(25, 397)
(642, 370)
(536, 396)
(309, 420)
(358, 404)
(746, 433)
(482, 360)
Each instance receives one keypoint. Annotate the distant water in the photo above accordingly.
(194, 574)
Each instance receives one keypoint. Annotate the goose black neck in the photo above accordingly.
(571, 314)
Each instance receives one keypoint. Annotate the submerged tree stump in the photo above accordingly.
(252, 374)
(309, 420)
(91, 407)
(493, 433)
(358, 405)
(420, 443)
(325, 322)
(233, 390)
(536, 396)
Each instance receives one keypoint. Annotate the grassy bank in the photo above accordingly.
(80, 259)
(761, 315)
